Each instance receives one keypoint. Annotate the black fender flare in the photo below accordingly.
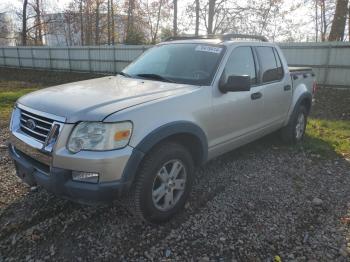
(302, 97)
(156, 136)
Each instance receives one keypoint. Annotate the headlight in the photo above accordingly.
(98, 136)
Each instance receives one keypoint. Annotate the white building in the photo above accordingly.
(7, 31)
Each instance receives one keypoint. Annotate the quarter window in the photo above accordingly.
(240, 63)
(271, 64)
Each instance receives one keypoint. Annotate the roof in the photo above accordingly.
(222, 37)
(225, 39)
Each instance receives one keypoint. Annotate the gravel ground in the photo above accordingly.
(253, 204)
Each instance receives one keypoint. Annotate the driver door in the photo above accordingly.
(237, 115)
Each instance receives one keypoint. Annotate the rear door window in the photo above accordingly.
(271, 69)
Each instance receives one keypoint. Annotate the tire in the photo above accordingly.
(155, 174)
(294, 132)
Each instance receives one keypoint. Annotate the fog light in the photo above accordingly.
(85, 176)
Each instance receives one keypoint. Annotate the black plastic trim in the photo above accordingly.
(174, 128)
(159, 134)
(59, 181)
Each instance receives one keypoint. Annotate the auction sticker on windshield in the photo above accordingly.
(210, 49)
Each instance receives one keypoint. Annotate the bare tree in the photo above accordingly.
(38, 40)
(130, 24)
(113, 24)
(339, 21)
(97, 22)
(32, 23)
(154, 37)
(175, 18)
(324, 24)
(197, 8)
(156, 12)
(81, 22)
(108, 21)
(316, 20)
(211, 13)
(24, 22)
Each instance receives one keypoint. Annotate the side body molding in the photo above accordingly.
(156, 136)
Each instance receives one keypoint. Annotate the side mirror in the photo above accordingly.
(235, 84)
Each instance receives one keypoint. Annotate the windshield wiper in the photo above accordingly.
(156, 77)
(124, 74)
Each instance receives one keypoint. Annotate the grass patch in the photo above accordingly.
(328, 138)
(10, 91)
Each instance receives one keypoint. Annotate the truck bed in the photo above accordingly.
(299, 70)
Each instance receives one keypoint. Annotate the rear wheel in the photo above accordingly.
(163, 183)
(294, 132)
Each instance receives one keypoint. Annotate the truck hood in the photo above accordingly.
(93, 100)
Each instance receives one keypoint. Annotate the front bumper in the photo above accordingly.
(59, 181)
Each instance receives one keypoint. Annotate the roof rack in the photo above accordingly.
(223, 37)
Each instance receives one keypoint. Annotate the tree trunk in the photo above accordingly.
(339, 21)
(175, 17)
(81, 22)
(89, 25)
(130, 19)
(108, 22)
(97, 23)
(39, 35)
(87, 28)
(24, 22)
(157, 25)
(323, 21)
(316, 20)
(69, 30)
(197, 18)
(112, 26)
(211, 13)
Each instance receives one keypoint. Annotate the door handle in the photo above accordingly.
(256, 95)
(287, 88)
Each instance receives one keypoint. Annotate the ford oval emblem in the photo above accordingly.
(31, 124)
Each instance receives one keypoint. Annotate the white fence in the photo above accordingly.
(330, 61)
(100, 59)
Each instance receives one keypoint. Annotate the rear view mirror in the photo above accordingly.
(235, 84)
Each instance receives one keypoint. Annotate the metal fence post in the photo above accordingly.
(328, 58)
(3, 55)
(32, 53)
(50, 60)
(89, 55)
(69, 60)
(19, 58)
(114, 62)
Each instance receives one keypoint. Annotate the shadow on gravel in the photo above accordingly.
(251, 204)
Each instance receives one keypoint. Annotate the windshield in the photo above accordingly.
(181, 63)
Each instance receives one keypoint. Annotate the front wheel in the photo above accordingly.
(294, 132)
(163, 183)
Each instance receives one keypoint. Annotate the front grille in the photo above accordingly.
(35, 126)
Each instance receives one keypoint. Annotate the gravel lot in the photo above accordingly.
(253, 204)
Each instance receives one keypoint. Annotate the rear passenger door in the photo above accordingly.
(277, 89)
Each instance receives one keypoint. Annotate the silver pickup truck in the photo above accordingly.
(139, 135)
